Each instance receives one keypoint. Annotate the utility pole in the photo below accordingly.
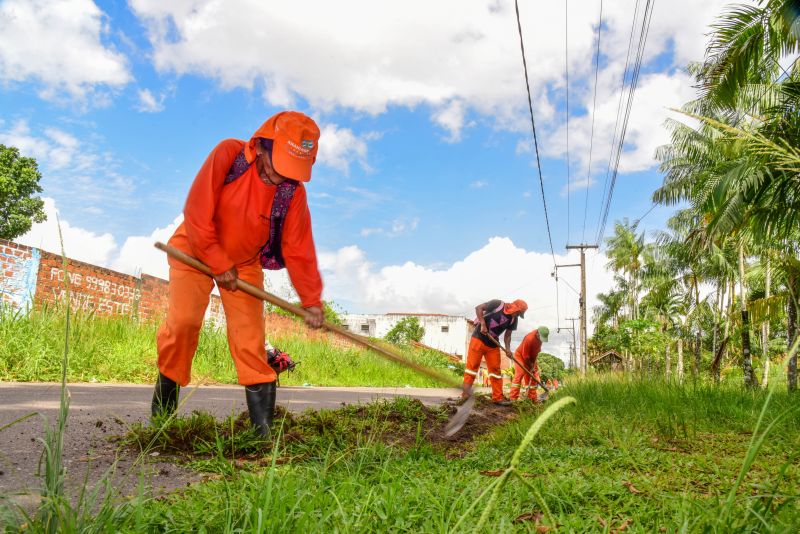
(572, 347)
(573, 354)
(583, 335)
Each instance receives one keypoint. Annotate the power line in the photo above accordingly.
(594, 107)
(619, 109)
(535, 142)
(646, 18)
(566, 86)
(739, 118)
(645, 214)
(570, 286)
(533, 128)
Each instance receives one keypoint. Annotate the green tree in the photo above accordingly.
(405, 331)
(19, 182)
(550, 367)
(739, 168)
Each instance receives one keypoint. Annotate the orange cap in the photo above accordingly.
(517, 306)
(295, 141)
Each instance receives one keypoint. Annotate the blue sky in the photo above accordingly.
(425, 196)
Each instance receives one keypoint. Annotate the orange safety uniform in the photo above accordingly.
(499, 318)
(527, 353)
(225, 226)
(478, 350)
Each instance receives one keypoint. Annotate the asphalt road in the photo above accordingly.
(99, 411)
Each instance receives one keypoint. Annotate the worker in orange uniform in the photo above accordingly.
(528, 354)
(246, 211)
(492, 319)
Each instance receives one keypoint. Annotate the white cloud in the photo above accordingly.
(451, 117)
(478, 184)
(578, 182)
(138, 255)
(463, 60)
(79, 244)
(366, 232)
(339, 147)
(148, 103)
(653, 98)
(399, 226)
(55, 149)
(402, 226)
(58, 44)
(74, 171)
(503, 270)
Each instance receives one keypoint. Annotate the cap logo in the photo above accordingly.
(307, 144)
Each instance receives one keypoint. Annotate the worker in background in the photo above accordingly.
(493, 318)
(528, 355)
(246, 211)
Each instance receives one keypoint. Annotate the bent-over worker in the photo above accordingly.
(528, 355)
(246, 211)
(493, 318)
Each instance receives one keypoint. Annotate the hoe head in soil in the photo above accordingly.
(460, 417)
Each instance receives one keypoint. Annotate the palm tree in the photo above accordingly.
(624, 250)
(745, 49)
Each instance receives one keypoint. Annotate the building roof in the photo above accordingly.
(608, 354)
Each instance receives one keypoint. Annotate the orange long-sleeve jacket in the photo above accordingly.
(226, 225)
(529, 349)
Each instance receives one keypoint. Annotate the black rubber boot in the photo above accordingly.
(165, 396)
(261, 405)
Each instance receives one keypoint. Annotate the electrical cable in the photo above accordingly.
(566, 87)
(619, 109)
(535, 142)
(594, 107)
(646, 18)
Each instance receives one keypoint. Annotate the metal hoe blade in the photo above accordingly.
(460, 417)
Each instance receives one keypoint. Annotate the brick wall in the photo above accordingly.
(277, 325)
(153, 298)
(18, 268)
(92, 289)
(32, 276)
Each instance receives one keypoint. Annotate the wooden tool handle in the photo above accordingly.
(259, 293)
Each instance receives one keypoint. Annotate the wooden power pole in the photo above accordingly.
(583, 333)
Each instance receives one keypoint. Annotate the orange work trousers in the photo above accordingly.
(521, 378)
(477, 351)
(189, 294)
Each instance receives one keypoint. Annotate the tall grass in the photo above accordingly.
(92, 508)
(119, 349)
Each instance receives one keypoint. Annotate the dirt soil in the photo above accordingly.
(399, 424)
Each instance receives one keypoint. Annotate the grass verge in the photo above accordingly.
(631, 455)
(120, 349)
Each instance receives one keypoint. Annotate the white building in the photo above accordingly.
(448, 333)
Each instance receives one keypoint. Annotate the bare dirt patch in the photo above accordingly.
(401, 422)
